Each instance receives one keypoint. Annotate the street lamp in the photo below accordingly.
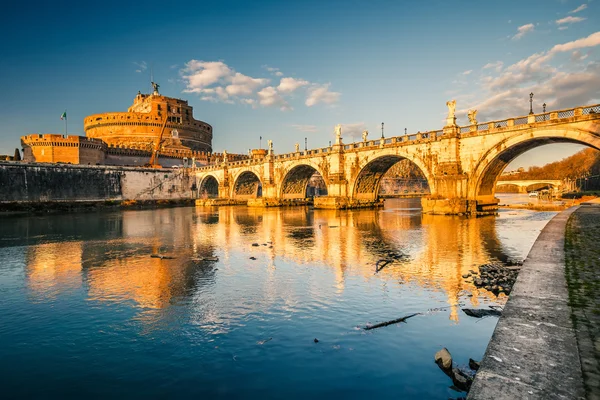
(544, 107)
(305, 145)
(530, 103)
(382, 130)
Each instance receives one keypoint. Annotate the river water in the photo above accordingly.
(86, 312)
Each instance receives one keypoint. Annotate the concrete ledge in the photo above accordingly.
(533, 352)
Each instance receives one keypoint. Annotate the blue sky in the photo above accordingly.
(289, 70)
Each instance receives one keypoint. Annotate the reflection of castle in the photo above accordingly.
(341, 244)
(127, 138)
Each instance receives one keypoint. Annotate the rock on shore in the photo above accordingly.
(498, 277)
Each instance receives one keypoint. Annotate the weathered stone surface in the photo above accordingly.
(533, 352)
(460, 165)
(443, 358)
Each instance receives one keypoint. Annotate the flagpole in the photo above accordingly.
(66, 119)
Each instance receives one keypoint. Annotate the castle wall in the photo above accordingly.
(142, 124)
(40, 183)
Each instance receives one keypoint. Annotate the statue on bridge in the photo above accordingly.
(297, 145)
(270, 145)
(451, 120)
(471, 114)
(338, 134)
(225, 156)
(451, 108)
(364, 135)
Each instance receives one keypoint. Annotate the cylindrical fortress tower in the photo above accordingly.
(140, 126)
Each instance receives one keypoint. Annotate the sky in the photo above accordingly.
(291, 70)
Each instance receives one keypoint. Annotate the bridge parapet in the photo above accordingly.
(524, 122)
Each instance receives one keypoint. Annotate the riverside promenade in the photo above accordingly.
(547, 342)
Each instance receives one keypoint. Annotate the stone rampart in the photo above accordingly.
(36, 183)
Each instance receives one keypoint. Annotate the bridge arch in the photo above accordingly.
(488, 169)
(247, 185)
(295, 181)
(365, 185)
(208, 187)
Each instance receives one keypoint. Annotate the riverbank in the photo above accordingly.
(533, 352)
(582, 267)
(558, 205)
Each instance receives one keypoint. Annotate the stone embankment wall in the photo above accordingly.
(42, 183)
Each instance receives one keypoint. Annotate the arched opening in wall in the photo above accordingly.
(209, 188)
(247, 186)
(390, 176)
(567, 161)
(303, 181)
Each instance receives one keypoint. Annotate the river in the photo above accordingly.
(86, 312)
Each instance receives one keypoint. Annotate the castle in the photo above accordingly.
(128, 138)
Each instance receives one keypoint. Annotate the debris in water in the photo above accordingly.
(381, 264)
(394, 321)
(480, 313)
(316, 340)
(162, 257)
(253, 258)
(261, 342)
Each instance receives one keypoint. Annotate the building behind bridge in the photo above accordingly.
(128, 138)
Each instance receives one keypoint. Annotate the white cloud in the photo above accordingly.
(467, 72)
(562, 28)
(216, 81)
(495, 65)
(243, 85)
(522, 30)
(580, 8)
(305, 128)
(569, 20)
(141, 66)
(353, 131)
(201, 74)
(321, 94)
(288, 85)
(570, 84)
(269, 97)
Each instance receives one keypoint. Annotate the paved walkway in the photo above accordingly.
(582, 265)
(533, 353)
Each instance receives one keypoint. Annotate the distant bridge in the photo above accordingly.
(525, 186)
(462, 164)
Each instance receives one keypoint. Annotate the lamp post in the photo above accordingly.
(382, 130)
(530, 103)
(404, 131)
(260, 143)
(305, 145)
(544, 110)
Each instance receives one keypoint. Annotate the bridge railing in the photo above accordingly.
(524, 120)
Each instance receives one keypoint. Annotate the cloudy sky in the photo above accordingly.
(290, 70)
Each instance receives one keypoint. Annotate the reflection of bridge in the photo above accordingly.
(525, 186)
(461, 164)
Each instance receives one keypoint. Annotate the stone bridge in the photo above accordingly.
(525, 186)
(462, 164)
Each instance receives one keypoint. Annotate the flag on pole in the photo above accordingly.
(63, 115)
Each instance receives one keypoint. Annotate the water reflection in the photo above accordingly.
(113, 261)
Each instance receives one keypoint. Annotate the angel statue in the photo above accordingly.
(471, 114)
(155, 86)
(364, 135)
(270, 143)
(338, 134)
(451, 108)
(297, 145)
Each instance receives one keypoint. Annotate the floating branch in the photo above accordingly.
(394, 321)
